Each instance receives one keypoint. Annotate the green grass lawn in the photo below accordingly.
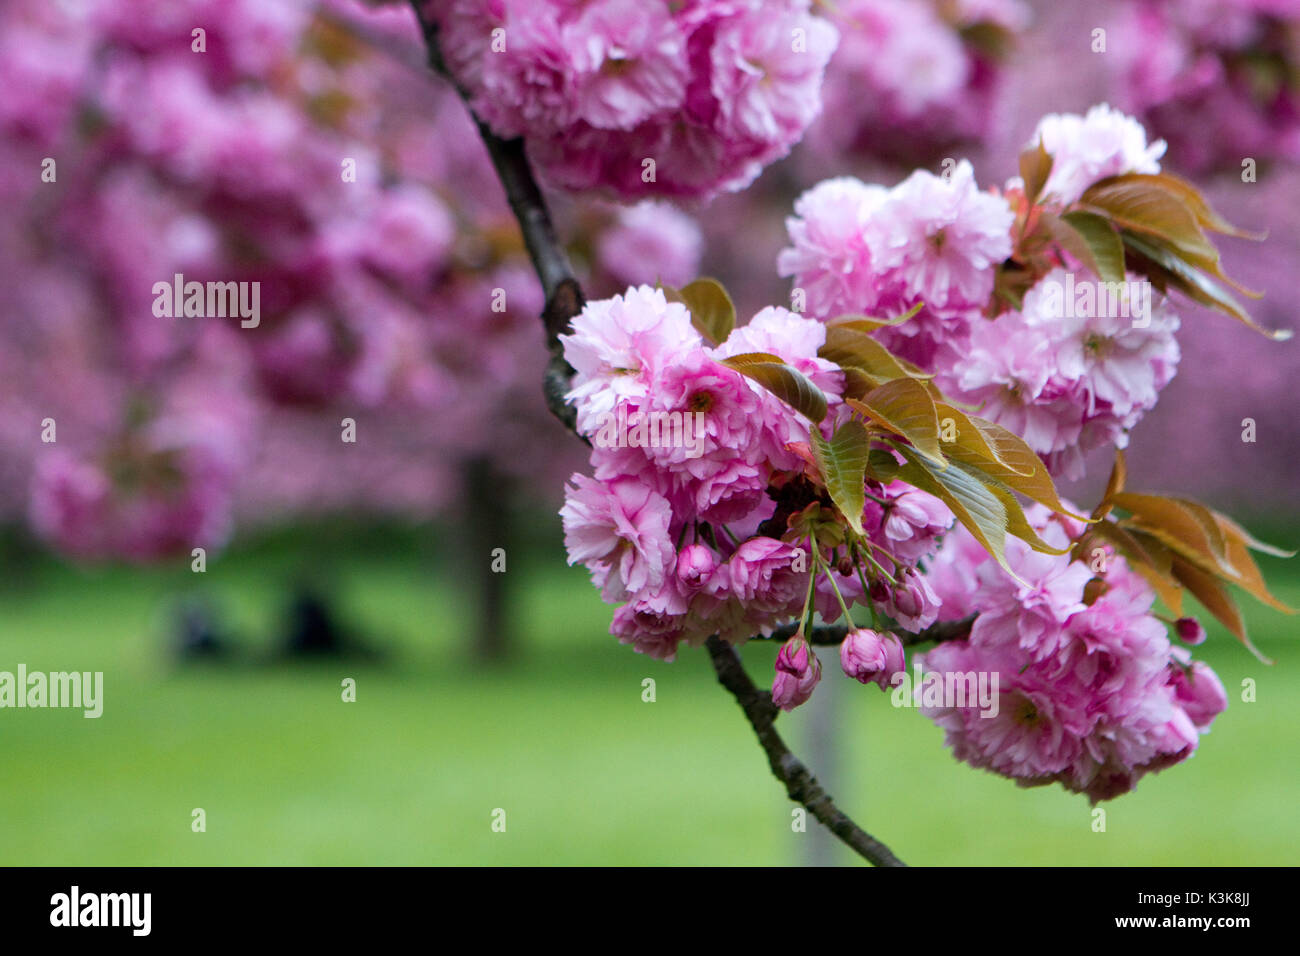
(587, 772)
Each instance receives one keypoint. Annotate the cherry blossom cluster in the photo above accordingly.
(1065, 372)
(639, 98)
(730, 538)
(310, 150)
(723, 538)
(1093, 693)
(1230, 66)
(735, 535)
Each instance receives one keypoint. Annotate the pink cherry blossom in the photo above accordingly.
(944, 237)
(830, 256)
(616, 345)
(1084, 149)
(619, 530)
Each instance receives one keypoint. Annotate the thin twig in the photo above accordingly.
(826, 635)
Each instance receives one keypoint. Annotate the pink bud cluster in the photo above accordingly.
(639, 98)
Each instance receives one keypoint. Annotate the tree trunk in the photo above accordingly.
(487, 526)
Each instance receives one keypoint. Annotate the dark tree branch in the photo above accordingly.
(564, 300)
(800, 785)
(560, 287)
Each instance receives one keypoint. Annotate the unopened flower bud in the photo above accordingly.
(797, 673)
(908, 601)
(872, 656)
(695, 565)
(1189, 631)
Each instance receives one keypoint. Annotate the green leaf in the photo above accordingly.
(1172, 270)
(1014, 464)
(905, 407)
(849, 345)
(972, 503)
(1091, 239)
(843, 463)
(786, 383)
(712, 312)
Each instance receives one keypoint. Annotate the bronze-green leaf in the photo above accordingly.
(968, 441)
(1192, 198)
(1035, 167)
(870, 323)
(850, 346)
(882, 465)
(858, 382)
(1186, 527)
(905, 407)
(981, 511)
(1249, 578)
(712, 312)
(1014, 464)
(1091, 239)
(1114, 485)
(786, 383)
(1148, 209)
(1164, 268)
(1216, 599)
(1145, 554)
(1017, 524)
